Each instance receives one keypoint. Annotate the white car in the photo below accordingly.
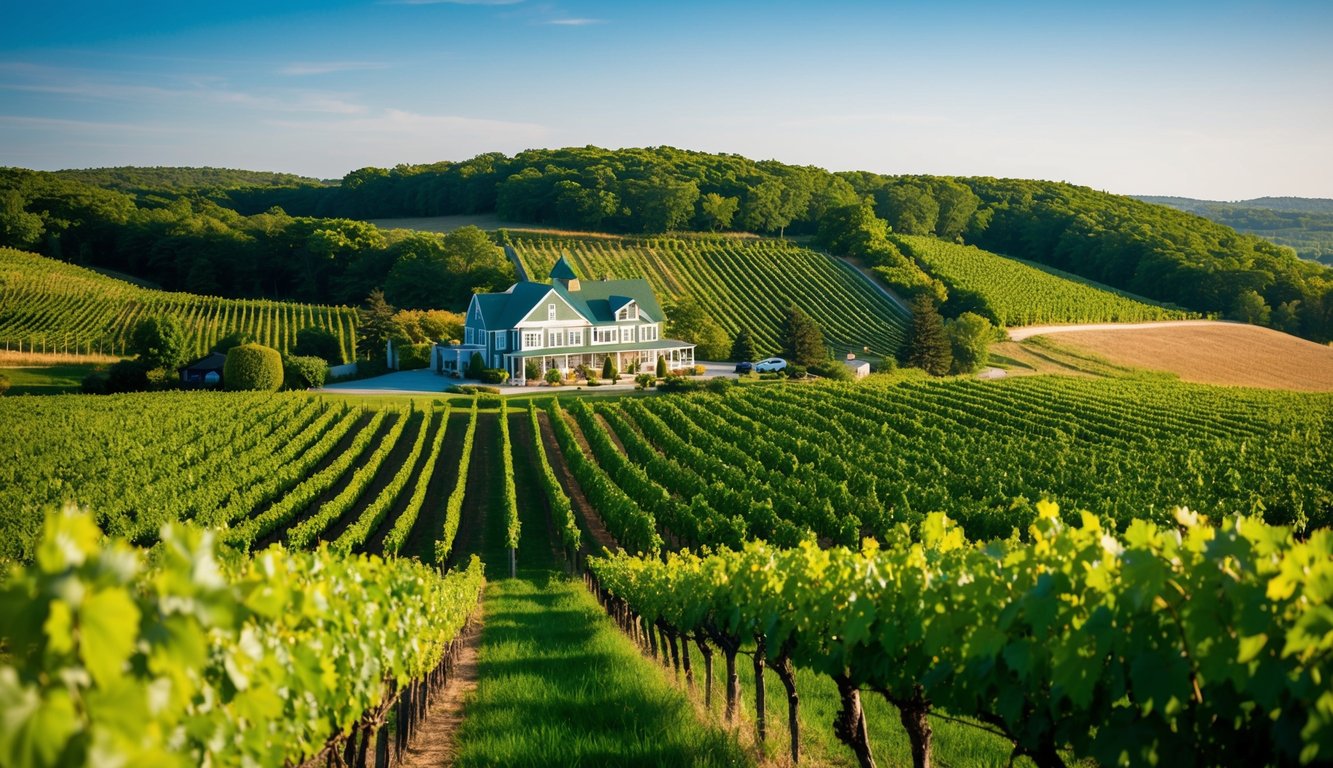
(768, 365)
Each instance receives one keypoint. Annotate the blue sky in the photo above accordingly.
(1223, 100)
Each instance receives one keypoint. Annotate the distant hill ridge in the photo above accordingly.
(1153, 251)
(171, 178)
(1304, 224)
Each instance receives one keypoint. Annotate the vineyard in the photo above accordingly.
(259, 468)
(1014, 292)
(846, 461)
(192, 662)
(1128, 649)
(912, 555)
(741, 283)
(50, 306)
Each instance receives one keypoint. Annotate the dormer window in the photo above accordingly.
(628, 312)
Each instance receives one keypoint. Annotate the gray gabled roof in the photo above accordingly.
(563, 270)
(597, 300)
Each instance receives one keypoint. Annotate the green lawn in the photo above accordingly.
(49, 379)
(558, 684)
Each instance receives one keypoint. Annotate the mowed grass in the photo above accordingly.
(49, 379)
(558, 684)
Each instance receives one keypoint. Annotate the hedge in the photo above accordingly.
(252, 366)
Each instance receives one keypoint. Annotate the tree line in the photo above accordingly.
(1163, 254)
(190, 243)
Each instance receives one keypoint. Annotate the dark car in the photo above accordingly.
(744, 367)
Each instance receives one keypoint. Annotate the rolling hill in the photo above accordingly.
(742, 282)
(52, 306)
(1015, 292)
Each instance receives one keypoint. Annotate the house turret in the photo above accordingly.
(563, 274)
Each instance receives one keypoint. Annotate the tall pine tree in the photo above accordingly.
(803, 341)
(928, 348)
(376, 326)
(742, 349)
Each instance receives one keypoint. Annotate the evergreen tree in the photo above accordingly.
(661, 367)
(475, 366)
(609, 371)
(742, 349)
(928, 346)
(376, 326)
(803, 341)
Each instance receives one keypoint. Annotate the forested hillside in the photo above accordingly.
(1150, 250)
(187, 243)
(1302, 223)
(160, 178)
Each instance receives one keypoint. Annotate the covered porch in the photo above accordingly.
(676, 354)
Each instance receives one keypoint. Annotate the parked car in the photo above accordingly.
(770, 364)
(744, 367)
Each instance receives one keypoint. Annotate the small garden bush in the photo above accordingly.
(494, 375)
(253, 367)
(414, 357)
(304, 371)
(553, 377)
(471, 389)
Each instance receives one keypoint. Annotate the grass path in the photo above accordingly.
(558, 684)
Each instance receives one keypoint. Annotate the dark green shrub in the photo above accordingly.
(644, 380)
(475, 366)
(471, 389)
(317, 342)
(832, 369)
(661, 367)
(609, 369)
(795, 371)
(94, 384)
(127, 376)
(304, 372)
(532, 369)
(413, 357)
(720, 386)
(553, 377)
(675, 383)
(494, 375)
(253, 366)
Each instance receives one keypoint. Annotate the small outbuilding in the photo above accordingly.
(859, 368)
(204, 372)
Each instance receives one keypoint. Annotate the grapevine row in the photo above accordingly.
(1124, 649)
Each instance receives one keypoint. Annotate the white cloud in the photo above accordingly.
(574, 22)
(452, 2)
(303, 68)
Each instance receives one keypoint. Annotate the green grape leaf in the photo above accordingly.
(108, 627)
(34, 731)
(59, 628)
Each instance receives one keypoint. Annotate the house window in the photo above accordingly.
(557, 339)
(550, 311)
(628, 312)
(468, 334)
(532, 339)
(648, 333)
(627, 334)
(575, 338)
(604, 336)
(500, 340)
